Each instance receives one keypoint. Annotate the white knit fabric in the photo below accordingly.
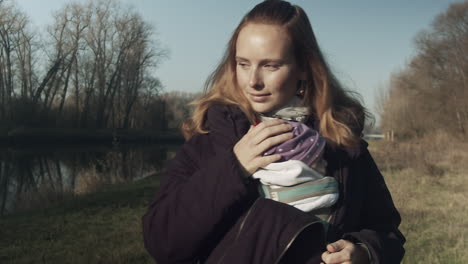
(286, 173)
(317, 202)
(294, 172)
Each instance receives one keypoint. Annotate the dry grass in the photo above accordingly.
(429, 185)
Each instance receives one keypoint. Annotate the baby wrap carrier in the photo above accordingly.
(298, 178)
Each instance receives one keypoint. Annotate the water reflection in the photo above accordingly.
(38, 177)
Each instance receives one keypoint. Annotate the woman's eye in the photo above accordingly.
(242, 64)
(272, 66)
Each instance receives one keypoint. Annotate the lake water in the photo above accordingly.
(39, 177)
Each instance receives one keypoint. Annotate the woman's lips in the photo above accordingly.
(259, 98)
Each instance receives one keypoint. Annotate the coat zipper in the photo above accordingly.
(335, 212)
(282, 252)
(292, 240)
(240, 230)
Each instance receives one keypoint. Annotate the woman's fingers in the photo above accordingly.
(338, 245)
(343, 251)
(250, 149)
(266, 124)
(272, 141)
(269, 130)
(265, 160)
(335, 258)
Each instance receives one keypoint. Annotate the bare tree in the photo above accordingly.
(9, 24)
(97, 62)
(432, 91)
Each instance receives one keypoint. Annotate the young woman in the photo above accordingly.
(208, 208)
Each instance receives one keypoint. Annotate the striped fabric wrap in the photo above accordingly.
(295, 183)
(299, 177)
(302, 193)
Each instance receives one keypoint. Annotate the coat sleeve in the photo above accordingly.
(380, 219)
(194, 203)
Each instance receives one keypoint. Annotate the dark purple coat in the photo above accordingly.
(206, 212)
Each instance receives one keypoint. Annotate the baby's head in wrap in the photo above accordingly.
(306, 145)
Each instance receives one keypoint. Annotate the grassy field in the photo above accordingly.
(429, 185)
(434, 212)
(103, 227)
(106, 227)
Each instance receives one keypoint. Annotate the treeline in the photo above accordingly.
(92, 68)
(431, 92)
(178, 107)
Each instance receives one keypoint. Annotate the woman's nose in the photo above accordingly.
(255, 80)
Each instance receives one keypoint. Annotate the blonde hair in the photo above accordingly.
(341, 116)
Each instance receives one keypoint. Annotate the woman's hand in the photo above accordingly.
(345, 252)
(250, 148)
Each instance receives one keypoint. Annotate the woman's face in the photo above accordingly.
(266, 69)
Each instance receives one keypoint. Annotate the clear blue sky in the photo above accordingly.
(363, 40)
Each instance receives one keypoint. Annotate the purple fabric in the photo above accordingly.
(306, 145)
